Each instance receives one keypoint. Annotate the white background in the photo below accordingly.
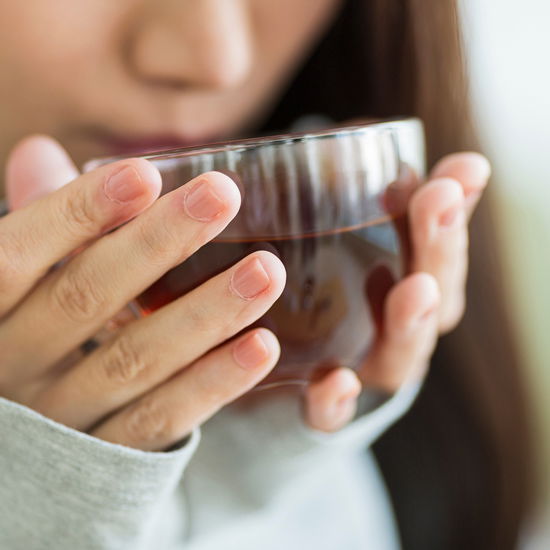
(509, 60)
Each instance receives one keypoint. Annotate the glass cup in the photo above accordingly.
(332, 206)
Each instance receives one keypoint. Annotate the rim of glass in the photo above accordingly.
(373, 125)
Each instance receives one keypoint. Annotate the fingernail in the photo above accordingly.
(250, 280)
(251, 351)
(480, 169)
(202, 203)
(451, 217)
(124, 185)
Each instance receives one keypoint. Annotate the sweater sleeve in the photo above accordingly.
(62, 489)
(266, 446)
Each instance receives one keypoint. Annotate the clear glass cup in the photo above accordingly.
(332, 206)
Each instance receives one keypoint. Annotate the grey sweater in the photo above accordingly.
(253, 479)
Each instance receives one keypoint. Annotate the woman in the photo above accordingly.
(110, 77)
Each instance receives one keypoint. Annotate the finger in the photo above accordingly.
(471, 170)
(408, 336)
(86, 292)
(440, 243)
(152, 349)
(37, 166)
(34, 238)
(331, 402)
(169, 413)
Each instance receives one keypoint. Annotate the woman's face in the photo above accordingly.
(106, 76)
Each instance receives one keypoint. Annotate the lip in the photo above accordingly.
(115, 145)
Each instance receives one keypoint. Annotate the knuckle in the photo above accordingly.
(199, 318)
(211, 392)
(77, 297)
(11, 250)
(123, 363)
(79, 213)
(157, 243)
(216, 323)
(214, 395)
(240, 319)
(149, 422)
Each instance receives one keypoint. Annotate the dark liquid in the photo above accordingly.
(331, 307)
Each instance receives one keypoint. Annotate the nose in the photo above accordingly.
(191, 43)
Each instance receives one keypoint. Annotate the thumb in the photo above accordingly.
(37, 166)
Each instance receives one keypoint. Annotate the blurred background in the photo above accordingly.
(508, 44)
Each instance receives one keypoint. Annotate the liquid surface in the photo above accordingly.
(331, 306)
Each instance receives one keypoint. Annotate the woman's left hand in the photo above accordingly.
(423, 305)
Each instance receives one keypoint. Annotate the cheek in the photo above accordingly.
(44, 55)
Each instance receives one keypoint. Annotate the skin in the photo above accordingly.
(193, 70)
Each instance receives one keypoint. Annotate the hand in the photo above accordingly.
(160, 376)
(425, 304)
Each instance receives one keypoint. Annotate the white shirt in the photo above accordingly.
(257, 479)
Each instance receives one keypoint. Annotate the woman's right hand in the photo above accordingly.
(160, 376)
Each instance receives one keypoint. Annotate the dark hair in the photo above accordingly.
(458, 464)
